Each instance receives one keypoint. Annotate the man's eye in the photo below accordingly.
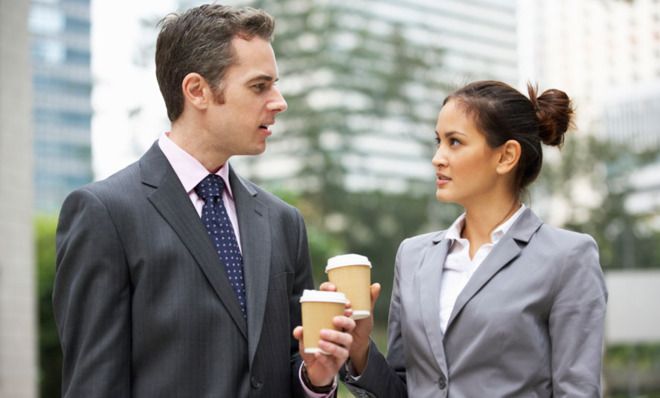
(259, 87)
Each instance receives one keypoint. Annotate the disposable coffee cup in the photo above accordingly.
(318, 310)
(351, 274)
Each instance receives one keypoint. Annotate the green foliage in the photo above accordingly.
(625, 239)
(50, 354)
(632, 370)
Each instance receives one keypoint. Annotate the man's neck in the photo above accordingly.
(192, 140)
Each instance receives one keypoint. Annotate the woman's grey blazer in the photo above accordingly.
(529, 323)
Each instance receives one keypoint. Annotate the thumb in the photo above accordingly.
(375, 292)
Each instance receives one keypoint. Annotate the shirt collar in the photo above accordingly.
(189, 170)
(454, 231)
(503, 228)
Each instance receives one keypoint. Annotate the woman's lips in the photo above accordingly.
(442, 180)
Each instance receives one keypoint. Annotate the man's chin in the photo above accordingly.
(256, 150)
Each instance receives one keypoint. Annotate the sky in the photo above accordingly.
(121, 85)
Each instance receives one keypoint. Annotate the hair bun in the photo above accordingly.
(554, 113)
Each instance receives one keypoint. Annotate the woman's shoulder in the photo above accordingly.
(418, 243)
(565, 238)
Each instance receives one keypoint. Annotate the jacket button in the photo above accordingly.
(442, 382)
(256, 383)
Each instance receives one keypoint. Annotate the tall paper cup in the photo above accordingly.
(351, 274)
(318, 310)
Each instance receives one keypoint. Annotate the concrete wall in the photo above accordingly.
(18, 358)
(633, 308)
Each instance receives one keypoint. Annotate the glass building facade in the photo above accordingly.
(62, 110)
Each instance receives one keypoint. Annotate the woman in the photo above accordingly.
(500, 304)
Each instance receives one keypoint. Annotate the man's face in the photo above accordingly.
(248, 100)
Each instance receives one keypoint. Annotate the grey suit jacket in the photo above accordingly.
(529, 323)
(142, 303)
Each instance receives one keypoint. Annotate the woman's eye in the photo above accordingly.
(454, 142)
(437, 141)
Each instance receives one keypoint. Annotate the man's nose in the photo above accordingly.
(278, 103)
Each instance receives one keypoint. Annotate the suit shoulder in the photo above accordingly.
(113, 187)
(565, 239)
(418, 242)
(269, 198)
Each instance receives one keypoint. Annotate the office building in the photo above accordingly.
(61, 107)
(590, 48)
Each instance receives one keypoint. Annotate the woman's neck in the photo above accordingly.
(482, 218)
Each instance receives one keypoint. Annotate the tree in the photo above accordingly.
(625, 239)
(50, 354)
(348, 79)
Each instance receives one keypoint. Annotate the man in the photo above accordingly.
(175, 276)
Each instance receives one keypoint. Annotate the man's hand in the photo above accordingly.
(360, 347)
(322, 368)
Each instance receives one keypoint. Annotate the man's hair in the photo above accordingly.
(199, 40)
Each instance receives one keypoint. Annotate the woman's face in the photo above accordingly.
(465, 164)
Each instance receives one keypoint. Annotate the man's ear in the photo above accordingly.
(509, 156)
(196, 91)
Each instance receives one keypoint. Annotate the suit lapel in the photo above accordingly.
(503, 253)
(427, 285)
(256, 247)
(174, 205)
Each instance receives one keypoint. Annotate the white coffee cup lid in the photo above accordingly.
(347, 259)
(324, 297)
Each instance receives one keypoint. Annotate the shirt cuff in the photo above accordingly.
(350, 371)
(312, 394)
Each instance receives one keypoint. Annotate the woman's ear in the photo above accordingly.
(196, 91)
(509, 157)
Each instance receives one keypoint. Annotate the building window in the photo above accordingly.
(78, 26)
(79, 57)
(45, 20)
(48, 51)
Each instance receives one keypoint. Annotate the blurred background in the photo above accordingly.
(364, 81)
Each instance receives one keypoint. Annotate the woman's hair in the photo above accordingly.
(502, 113)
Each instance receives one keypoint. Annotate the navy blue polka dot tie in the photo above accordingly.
(218, 225)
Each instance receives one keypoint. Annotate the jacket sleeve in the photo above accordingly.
(576, 323)
(302, 280)
(91, 300)
(385, 378)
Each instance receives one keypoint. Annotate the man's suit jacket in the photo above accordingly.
(529, 323)
(142, 303)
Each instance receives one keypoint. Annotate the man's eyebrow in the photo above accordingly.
(263, 77)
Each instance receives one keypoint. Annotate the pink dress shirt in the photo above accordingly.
(191, 172)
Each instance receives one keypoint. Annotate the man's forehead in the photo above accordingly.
(253, 59)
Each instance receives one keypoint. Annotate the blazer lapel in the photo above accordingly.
(174, 205)
(256, 248)
(503, 253)
(427, 283)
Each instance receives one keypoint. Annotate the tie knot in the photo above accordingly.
(210, 187)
